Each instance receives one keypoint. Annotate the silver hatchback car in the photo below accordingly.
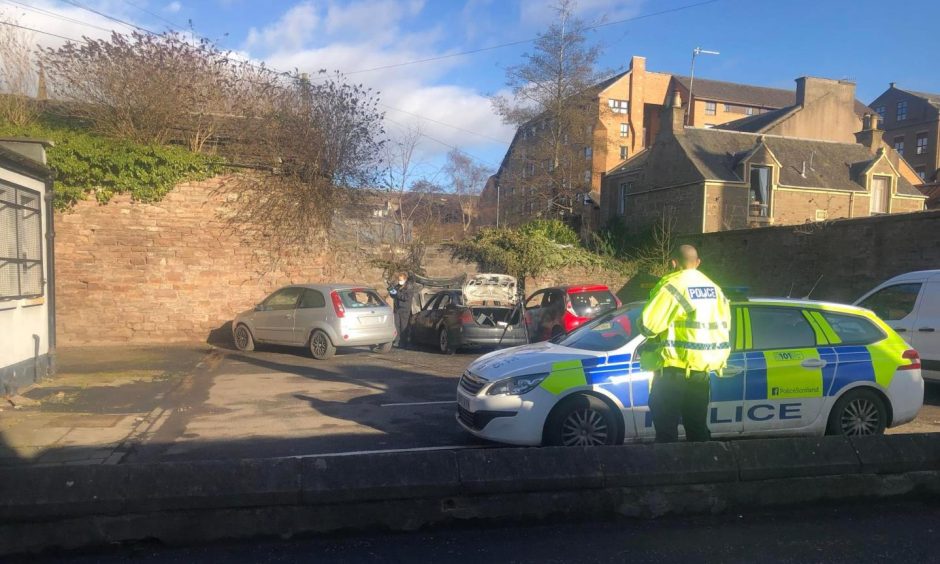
(321, 317)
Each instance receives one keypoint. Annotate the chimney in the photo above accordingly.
(678, 114)
(638, 64)
(870, 136)
(810, 89)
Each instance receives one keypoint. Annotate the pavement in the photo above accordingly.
(195, 402)
(897, 531)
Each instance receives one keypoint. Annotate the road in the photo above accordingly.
(280, 402)
(891, 532)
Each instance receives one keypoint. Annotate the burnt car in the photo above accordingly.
(483, 312)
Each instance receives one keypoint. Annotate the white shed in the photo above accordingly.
(27, 267)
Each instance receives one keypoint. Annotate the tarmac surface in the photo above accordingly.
(133, 404)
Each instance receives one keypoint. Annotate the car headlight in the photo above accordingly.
(516, 386)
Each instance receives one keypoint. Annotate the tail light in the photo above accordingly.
(569, 308)
(466, 317)
(338, 305)
(914, 357)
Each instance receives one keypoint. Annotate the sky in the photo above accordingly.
(761, 42)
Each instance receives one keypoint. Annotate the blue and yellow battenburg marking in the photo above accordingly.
(766, 375)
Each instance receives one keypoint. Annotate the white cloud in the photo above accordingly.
(539, 13)
(56, 19)
(173, 7)
(291, 31)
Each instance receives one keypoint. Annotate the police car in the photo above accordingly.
(796, 368)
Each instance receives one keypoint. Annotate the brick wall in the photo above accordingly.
(852, 256)
(170, 271)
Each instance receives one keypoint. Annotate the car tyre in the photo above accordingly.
(857, 413)
(243, 339)
(444, 343)
(582, 420)
(321, 348)
(383, 348)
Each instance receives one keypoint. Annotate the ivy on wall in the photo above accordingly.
(91, 165)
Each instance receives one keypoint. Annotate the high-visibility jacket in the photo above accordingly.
(688, 320)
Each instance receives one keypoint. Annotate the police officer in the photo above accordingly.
(402, 293)
(688, 322)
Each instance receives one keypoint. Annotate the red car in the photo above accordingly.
(556, 311)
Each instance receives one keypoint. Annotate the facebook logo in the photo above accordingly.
(775, 391)
(703, 293)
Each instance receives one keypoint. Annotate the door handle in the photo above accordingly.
(813, 363)
(900, 329)
(926, 329)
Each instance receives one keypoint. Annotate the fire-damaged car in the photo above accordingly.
(482, 311)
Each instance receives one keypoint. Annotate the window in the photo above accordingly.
(432, 303)
(760, 191)
(728, 107)
(624, 192)
(921, 144)
(623, 152)
(534, 301)
(853, 330)
(283, 299)
(710, 108)
(880, 193)
(587, 176)
(443, 302)
(822, 215)
(899, 145)
(359, 298)
(592, 304)
(20, 243)
(624, 129)
(588, 152)
(749, 111)
(893, 303)
(902, 110)
(921, 172)
(312, 299)
(780, 328)
(880, 110)
(605, 333)
(619, 106)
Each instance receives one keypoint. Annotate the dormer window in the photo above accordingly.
(880, 194)
(760, 191)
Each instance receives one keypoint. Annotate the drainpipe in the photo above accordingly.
(851, 205)
(50, 269)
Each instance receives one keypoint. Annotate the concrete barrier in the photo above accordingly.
(69, 507)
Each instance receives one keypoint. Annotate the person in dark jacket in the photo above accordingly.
(402, 294)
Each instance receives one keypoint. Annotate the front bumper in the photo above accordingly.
(515, 420)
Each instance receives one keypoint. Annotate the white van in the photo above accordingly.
(910, 304)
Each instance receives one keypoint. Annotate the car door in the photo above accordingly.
(275, 322)
(533, 314)
(420, 321)
(311, 312)
(787, 361)
(926, 335)
(896, 305)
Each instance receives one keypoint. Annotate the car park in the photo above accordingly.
(320, 317)
(796, 368)
(483, 312)
(910, 304)
(551, 312)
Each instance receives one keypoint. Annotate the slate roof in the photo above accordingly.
(716, 153)
(734, 92)
(932, 99)
(759, 122)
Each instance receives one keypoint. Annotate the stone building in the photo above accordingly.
(910, 123)
(704, 180)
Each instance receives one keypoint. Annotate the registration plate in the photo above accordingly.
(463, 402)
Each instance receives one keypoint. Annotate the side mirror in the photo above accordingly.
(259, 307)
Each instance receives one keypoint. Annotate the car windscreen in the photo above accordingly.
(606, 333)
(360, 297)
(593, 303)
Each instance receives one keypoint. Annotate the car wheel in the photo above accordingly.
(321, 348)
(243, 339)
(383, 348)
(582, 420)
(858, 412)
(444, 342)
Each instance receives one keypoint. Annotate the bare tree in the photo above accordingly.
(18, 77)
(401, 177)
(149, 88)
(555, 107)
(467, 179)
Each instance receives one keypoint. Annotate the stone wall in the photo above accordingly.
(847, 257)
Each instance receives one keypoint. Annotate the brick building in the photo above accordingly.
(627, 110)
(910, 123)
(709, 179)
